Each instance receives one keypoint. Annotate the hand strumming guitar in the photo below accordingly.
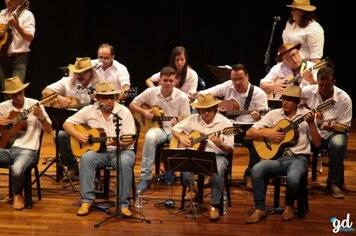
(4, 121)
(185, 141)
(275, 135)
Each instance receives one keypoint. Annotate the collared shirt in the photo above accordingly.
(281, 70)
(341, 111)
(176, 105)
(196, 123)
(227, 90)
(27, 22)
(30, 139)
(191, 81)
(117, 74)
(271, 119)
(68, 87)
(93, 117)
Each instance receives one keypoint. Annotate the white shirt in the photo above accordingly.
(68, 87)
(271, 119)
(196, 123)
(30, 139)
(228, 92)
(93, 117)
(191, 81)
(311, 39)
(117, 74)
(281, 70)
(176, 105)
(341, 111)
(27, 22)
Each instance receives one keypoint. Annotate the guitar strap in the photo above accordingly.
(249, 97)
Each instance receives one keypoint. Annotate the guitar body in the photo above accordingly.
(79, 148)
(147, 123)
(267, 149)
(174, 143)
(10, 133)
(229, 105)
(74, 102)
(5, 40)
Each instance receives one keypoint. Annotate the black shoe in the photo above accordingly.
(169, 178)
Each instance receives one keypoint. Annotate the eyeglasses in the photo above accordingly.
(292, 56)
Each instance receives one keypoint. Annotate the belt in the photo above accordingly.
(17, 54)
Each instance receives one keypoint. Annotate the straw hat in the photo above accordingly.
(293, 91)
(80, 65)
(105, 88)
(14, 85)
(205, 101)
(302, 5)
(284, 48)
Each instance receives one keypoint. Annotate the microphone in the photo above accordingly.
(103, 107)
(276, 18)
(98, 65)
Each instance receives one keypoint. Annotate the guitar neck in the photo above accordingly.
(163, 118)
(205, 136)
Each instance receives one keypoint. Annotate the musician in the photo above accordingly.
(289, 64)
(248, 97)
(334, 142)
(208, 121)
(294, 160)
(15, 43)
(99, 115)
(110, 70)
(75, 89)
(173, 102)
(22, 153)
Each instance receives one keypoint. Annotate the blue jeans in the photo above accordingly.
(12, 66)
(153, 137)
(19, 159)
(336, 145)
(217, 180)
(91, 161)
(65, 150)
(293, 167)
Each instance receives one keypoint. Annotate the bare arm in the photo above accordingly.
(149, 83)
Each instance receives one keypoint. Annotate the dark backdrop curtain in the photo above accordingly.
(144, 32)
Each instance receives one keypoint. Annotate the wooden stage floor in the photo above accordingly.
(55, 214)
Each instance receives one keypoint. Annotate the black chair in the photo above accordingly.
(200, 183)
(28, 179)
(103, 182)
(302, 197)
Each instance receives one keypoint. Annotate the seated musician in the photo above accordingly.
(208, 121)
(111, 70)
(174, 104)
(289, 64)
(333, 125)
(22, 153)
(294, 160)
(74, 90)
(100, 116)
(250, 99)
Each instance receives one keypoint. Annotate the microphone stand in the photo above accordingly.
(267, 54)
(117, 212)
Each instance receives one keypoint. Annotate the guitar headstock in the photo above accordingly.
(232, 130)
(128, 137)
(25, 4)
(131, 93)
(325, 105)
(321, 64)
(48, 98)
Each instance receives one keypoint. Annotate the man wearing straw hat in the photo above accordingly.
(293, 162)
(208, 121)
(77, 88)
(289, 64)
(22, 153)
(100, 115)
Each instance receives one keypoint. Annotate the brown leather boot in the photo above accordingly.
(256, 216)
(19, 203)
(288, 213)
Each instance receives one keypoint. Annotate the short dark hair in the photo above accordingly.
(239, 66)
(167, 71)
(325, 73)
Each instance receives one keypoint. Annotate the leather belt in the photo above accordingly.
(17, 54)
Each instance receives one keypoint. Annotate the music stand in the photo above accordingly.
(58, 117)
(222, 73)
(190, 160)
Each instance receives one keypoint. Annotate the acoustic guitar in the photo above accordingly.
(157, 119)
(75, 103)
(268, 149)
(6, 38)
(198, 138)
(337, 126)
(234, 114)
(97, 140)
(291, 79)
(18, 124)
